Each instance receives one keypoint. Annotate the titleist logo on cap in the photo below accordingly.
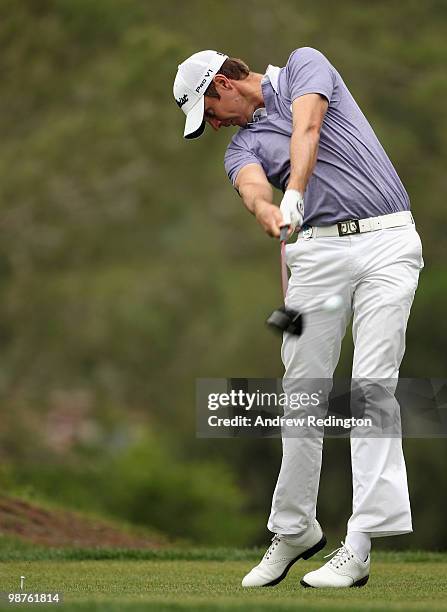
(183, 100)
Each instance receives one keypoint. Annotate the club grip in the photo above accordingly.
(283, 233)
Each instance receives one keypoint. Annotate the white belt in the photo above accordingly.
(358, 226)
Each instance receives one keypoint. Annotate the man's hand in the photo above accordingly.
(257, 194)
(269, 217)
(292, 209)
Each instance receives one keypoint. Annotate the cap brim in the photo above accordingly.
(195, 124)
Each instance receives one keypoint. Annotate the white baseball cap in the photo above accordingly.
(192, 79)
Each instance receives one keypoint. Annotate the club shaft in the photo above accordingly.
(284, 277)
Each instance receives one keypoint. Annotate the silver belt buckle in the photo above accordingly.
(346, 228)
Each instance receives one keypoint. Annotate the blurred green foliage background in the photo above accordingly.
(129, 268)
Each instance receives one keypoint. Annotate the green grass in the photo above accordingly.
(206, 580)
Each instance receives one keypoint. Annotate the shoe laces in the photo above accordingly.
(341, 556)
(275, 541)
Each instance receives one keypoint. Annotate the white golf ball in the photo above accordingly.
(333, 303)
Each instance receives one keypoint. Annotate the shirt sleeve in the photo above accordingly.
(237, 156)
(308, 71)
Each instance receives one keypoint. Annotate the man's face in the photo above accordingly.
(230, 109)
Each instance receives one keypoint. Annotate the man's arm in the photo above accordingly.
(308, 113)
(257, 195)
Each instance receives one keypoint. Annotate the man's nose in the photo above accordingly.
(214, 123)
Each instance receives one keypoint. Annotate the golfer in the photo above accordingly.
(301, 131)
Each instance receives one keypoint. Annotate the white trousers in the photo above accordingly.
(376, 274)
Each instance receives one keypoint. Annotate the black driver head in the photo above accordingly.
(286, 320)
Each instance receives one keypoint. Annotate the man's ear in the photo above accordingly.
(221, 81)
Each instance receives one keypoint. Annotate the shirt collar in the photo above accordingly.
(271, 75)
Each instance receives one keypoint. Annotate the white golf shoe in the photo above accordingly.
(345, 569)
(282, 554)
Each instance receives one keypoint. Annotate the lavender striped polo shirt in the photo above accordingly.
(353, 177)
